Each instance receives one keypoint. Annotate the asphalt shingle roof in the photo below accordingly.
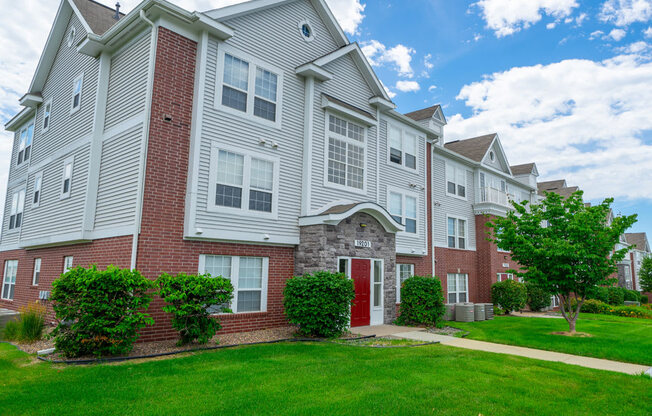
(637, 239)
(524, 169)
(423, 114)
(98, 16)
(474, 148)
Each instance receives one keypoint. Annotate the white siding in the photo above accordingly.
(128, 82)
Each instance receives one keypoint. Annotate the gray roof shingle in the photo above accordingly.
(423, 114)
(637, 239)
(474, 148)
(524, 169)
(99, 17)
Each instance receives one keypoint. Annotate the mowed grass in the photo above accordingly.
(319, 379)
(613, 337)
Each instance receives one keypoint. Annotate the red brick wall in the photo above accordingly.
(161, 245)
(457, 261)
(116, 251)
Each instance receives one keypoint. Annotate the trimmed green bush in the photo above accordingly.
(632, 296)
(537, 298)
(319, 304)
(509, 294)
(595, 306)
(599, 293)
(99, 312)
(616, 296)
(422, 302)
(191, 299)
(644, 299)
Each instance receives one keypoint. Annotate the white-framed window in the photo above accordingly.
(77, 86)
(403, 208)
(403, 272)
(248, 275)
(554, 301)
(306, 31)
(457, 231)
(67, 263)
(402, 147)
(455, 181)
(458, 287)
(71, 36)
(17, 208)
(37, 272)
(9, 279)
(377, 284)
(47, 115)
(247, 86)
(243, 182)
(25, 138)
(38, 184)
(345, 149)
(66, 181)
(508, 276)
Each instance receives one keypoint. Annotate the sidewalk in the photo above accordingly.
(422, 335)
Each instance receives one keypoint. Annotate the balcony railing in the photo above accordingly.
(493, 196)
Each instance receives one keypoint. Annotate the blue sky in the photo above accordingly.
(565, 83)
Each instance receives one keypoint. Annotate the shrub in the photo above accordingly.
(32, 322)
(595, 306)
(11, 332)
(644, 299)
(509, 294)
(99, 312)
(537, 298)
(191, 300)
(422, 302)
(320, 303)
(632, 296)
(599, 293)
(616, 296)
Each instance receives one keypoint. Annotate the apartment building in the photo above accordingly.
(639, 251)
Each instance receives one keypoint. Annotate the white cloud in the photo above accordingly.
(477, 37)
(506, 17)
(636, 47)
(426, 62)
(579, 119)
(551, 25)
(400, 56)
(432, 88)
(596, 34)
(580, 19)
(648, 32)
(617, 34)
(625, 12)
(408, 86)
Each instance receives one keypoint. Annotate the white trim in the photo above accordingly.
(310, 29)
(405, 193)
(398, 278)
(245, 237)
(67, 161)
(334, 107)
(16, 192)
(246, 182)
(347, 140)
(403, 132)
(457, 167)
(60, 153)
(376, 314)
(79, 79)
(45, 129)
(253, 64)
(312, 70)
(68, 263)
(5, 296)
(71, 238)
(308, 127)
(235, 279)
(37, 269)
(373, 209)
(457, 292)
(37, 175)
(457, 218)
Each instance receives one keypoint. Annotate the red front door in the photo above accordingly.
(361, 275)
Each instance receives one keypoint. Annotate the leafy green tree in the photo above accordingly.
(563, 246)
(645, 275)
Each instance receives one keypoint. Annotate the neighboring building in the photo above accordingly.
(639, 251)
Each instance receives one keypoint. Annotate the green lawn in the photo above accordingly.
(315, 378)
(613, 337)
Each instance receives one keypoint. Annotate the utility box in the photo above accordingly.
(449, 314)
(488, 311)
(464, 312)
(479, 313)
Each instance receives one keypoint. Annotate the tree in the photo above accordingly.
(645, 275)
(563, 246)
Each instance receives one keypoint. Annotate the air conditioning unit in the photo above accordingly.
(44, 295)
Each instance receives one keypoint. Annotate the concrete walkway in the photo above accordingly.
(421, 335)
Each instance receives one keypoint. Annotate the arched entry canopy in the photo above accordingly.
(338, 213)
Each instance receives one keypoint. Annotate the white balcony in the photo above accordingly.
(492, 201)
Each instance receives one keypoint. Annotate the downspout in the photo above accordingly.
(143, 154)
(431, 206)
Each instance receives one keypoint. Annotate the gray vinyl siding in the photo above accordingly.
(54, 215)
(66, 128)
(128, 82)
(16, 172)
(11, 237)
(279, 45)
(450, 205)
(496, 163)
(118, 187)
(349, 86)
(393, 176)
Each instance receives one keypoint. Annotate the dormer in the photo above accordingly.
(431, 118)
(526, 173)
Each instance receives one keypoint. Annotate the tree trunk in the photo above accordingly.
(571, 326)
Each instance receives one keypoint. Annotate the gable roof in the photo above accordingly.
(551, 185)
(524, 169)
(99, 17)
(639, 240)
(474, 148)
(426, 113)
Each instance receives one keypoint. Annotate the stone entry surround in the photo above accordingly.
(322, 244)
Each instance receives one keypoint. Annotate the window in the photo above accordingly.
(17, 207)
(456, 233)
(71, 36)
(25, 144)
(492, 156)
(243, 182)
(346, 153)
(37, 272)
(305, 28)
(236, 93)
(554, 301)
(455, 181)
(403, 272)
(67, 263)
(248, 275)
(76, 93)
(343, 266)
(9, 281)
(403, 209)
(47, 113)
(378, 284)
(38, 183)
(457, 284)
(402, 148)
(66, 183)
(505, 276)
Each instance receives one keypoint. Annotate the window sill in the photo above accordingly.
(250, 117)
(402, 167)
(239, 314)
(345, 188)
(456, 196)
(243, 213)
